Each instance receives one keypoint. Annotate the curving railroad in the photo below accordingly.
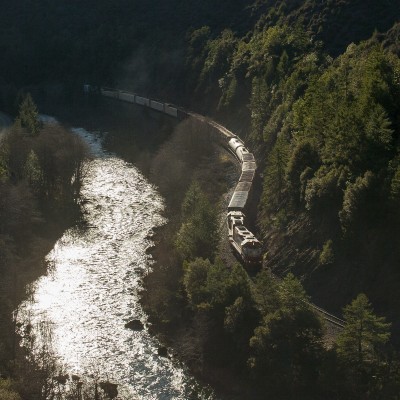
(243, 242)
(241, 239)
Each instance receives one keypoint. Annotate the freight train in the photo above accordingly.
(243, 242)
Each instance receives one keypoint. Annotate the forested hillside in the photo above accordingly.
(335, 23)
(143, 44)
(326, 133)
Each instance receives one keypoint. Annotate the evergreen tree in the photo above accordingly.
(364, 334)
(28, 116)
(198, 234)
(287, 345)
(193, 202)
(273, 197)
(265, 292)
(194, 280)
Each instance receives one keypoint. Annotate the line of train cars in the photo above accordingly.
(243, 242)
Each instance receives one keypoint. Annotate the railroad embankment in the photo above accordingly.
(172, 319)
(193, 335)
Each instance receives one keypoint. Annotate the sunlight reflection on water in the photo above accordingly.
(91, 291)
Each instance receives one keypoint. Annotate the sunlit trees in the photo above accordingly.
(364, 335)
(302, 164)
(213, 286)
(265, 292)
(287, 346)
(346, 114)
(332, 173)
(357, 207)
(220, 297)
(327, 255)
(274, 204)
(369, 362)
(198, 234)
(194, 280)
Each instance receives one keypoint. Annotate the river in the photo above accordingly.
(92, 288)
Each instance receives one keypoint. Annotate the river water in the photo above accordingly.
(92, 287)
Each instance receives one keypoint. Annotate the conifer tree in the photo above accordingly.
(28, 116)
(364, 334)
(198, 234)
(287, 347)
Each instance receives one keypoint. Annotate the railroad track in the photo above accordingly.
(328, 316)
(177, 112)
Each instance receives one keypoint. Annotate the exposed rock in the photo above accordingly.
(163, 351)
(110, 389)
(61, 379)
(135, 325)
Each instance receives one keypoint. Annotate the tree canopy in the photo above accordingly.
(364, 335)
(198, 234)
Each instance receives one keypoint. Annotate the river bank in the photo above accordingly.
(117, 266)
(38, 191)
(187, 334)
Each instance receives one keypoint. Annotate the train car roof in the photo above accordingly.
(248, 157)
(238, 200)
(247, 176)
(243, 187)
(249, 165)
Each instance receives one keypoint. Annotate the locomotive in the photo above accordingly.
(245, 245)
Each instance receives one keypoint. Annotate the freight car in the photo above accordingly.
(242, 241)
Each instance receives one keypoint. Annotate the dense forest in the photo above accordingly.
(314, 88)
(326, 131)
